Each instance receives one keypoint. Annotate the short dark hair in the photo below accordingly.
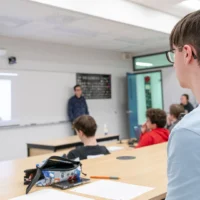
(176, 110)
(86, 124)
(76, 86)
(186, 96)
(157, 116)
(187, 31)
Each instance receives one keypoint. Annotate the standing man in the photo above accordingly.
(77, 105)
(186, 104)
(184, 142)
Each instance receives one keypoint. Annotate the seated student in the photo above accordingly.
(153, 131)
(85, 127)
(176, 112)
(186, 104)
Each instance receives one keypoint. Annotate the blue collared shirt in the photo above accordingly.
(184, 159)
(77, 107)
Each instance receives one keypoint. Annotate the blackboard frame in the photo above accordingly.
(95, 74)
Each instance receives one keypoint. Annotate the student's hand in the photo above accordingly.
(144, 128)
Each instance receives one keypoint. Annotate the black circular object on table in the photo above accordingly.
(126, 157)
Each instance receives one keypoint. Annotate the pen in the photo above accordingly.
(104, 177)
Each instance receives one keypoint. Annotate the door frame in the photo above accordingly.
(144, 72)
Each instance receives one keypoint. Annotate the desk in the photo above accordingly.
(148, 169)
(122, 143)
(51, 146)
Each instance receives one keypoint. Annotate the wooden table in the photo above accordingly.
(148, 169)
(51, 146)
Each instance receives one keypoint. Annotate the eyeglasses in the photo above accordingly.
(171, 55)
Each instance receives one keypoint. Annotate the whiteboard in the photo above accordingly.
(40, 97)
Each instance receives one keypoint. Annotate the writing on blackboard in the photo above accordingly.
(95, 86)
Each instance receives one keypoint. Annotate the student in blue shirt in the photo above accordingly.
(77, 105)
(184, 143)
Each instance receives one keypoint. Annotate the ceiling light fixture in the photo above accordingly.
(143, 64)
(190, 4)
(8, 74)
(3, 52)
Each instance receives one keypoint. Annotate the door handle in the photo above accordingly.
(129, 111)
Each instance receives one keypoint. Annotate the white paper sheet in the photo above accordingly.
(50, 194)
(97, 156)
(113, 148)
(112, 190)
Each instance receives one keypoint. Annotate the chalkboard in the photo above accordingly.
(95, 86)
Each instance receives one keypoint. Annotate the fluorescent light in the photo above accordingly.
(8, 74)
(143, 64)
(191, 4)
(3, 52)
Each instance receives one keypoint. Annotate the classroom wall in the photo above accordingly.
(172, 91)
(39, 56)
(47, 57)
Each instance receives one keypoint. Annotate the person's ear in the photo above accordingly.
(173, 117)
(187, 50)
(81, 133)
(76, 131)
(154, 126)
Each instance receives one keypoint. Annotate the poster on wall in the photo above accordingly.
(95, 86)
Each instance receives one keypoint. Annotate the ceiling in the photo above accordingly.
(172, 7)
(25, 19)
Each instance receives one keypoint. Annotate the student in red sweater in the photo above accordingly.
(153, 131)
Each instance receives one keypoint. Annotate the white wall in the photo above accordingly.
(39, 56)
(172, 91)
